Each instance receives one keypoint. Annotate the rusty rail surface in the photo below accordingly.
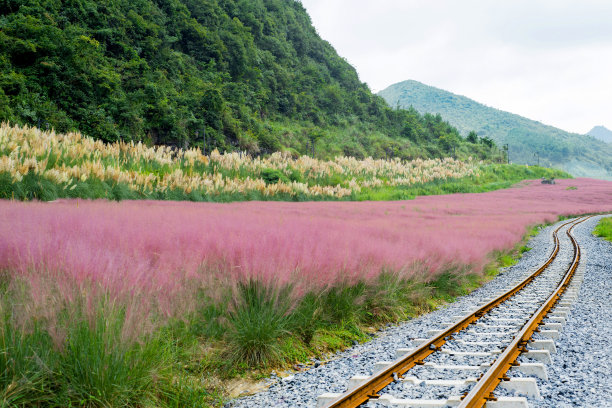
(483, 390)
(379, 380)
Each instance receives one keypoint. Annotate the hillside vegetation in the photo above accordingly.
(44, 165)
(579, 154)
(249, 75)
(602, 133)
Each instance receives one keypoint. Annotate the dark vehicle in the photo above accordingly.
(548, 181)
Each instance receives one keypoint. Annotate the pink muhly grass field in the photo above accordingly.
(158, 253)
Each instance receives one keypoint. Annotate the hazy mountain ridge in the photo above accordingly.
(601, 133)
(527, 139)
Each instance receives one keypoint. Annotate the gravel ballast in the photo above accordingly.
(581, 371)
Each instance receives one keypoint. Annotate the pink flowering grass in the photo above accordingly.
(154, 256)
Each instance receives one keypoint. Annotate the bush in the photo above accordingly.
(37, 188)
(9, 189)
(122, 192)
(272, 176)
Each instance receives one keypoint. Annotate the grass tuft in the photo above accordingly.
(387, 299)
(257, 319)
(344, 304)
(604, 229)
(25, 378)
(100, 367)
(305, 317)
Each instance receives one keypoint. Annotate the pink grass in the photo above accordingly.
(157, 252)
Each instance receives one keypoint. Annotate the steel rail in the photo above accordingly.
(379, 380)
(483, 390)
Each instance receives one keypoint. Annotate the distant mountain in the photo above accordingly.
(601, 133)
(527, 139)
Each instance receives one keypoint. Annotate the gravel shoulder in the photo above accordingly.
(581, 373)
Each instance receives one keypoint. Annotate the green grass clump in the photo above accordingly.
(25, 377)
(507, 260)
(94, 363)
(100, 367)
(604, 229)
(257, 319)
(265, 327)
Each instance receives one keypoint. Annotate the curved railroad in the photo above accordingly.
(473, 361)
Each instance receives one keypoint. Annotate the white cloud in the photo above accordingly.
(548, 60)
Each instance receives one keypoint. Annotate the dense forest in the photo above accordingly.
(530, 141)
(252, 75)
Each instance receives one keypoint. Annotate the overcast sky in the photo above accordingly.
(548, 60)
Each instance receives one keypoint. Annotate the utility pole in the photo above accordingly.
(204, 137)
(507, 149)
(538, 156)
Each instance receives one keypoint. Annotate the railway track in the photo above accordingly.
(488, 355)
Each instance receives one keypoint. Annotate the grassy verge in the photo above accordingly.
(604, 229)
(491, 177)
(45, 166)
(247, 332)
(36, 187)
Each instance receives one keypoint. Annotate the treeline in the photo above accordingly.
(226, 74)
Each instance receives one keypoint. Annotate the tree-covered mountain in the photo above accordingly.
(253, 74)
(601, 133)
(527, 139)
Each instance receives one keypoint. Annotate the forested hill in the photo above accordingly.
(253, 74)
(578, 154)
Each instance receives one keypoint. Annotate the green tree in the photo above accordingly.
(472, 137)
(254, 73)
